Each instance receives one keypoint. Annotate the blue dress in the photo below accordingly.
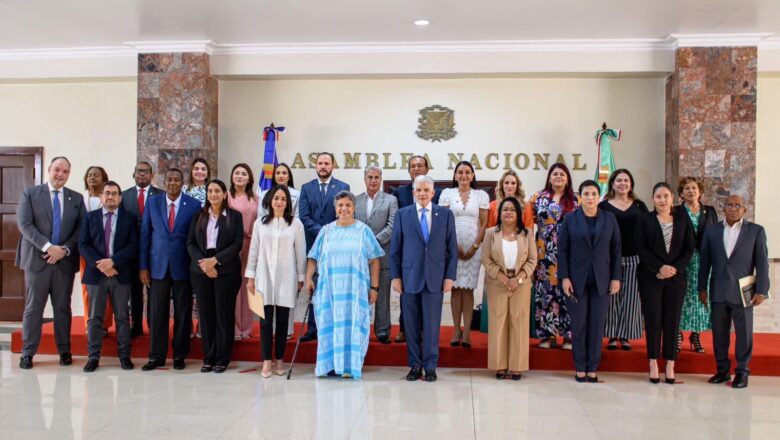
(341, 300)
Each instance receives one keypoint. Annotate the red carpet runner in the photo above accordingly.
(766, 353)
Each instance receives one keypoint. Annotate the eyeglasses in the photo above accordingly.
(733, 205)
(143, 170)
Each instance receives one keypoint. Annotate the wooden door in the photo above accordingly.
(19, 168)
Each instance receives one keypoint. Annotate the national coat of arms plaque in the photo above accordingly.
(436, 124)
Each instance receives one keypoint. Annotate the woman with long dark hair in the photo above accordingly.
(549, 206)
(242, 198)
(214, 244)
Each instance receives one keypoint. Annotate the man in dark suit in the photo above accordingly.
(316, 209)
(165, 269)
(133, 201)
(733, 249)
(49, 217)
(109, 243)
(423, 265)
(418, 166)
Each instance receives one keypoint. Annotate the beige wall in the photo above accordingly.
(767, 160)
(513, 115)
(92, 123)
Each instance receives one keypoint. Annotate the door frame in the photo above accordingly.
(28, 151)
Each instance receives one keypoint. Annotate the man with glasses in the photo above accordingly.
(109, 243)
(734, 249)
(133, 202)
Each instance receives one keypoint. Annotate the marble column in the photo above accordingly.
(711, 122)
(177, 111)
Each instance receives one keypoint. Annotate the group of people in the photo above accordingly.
(598, 265)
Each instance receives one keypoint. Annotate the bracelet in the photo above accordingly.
(475, 246)
(375, 289)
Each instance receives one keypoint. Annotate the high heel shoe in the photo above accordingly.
(654, 380)
(679, 341)
(466, 341)
(696, 343)
(457, 336)
(667, 379)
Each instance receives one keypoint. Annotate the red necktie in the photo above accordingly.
(171, 217)
(141, 203)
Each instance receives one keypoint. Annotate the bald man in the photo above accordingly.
(733, 249)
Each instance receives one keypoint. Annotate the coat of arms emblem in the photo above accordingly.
(436, 124)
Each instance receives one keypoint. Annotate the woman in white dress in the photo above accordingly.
(470, 207)
(276, 268)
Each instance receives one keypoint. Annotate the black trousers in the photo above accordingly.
(137, 304)
(662, 302)
(588, 317)
(311, 323)
(217, 308)
(723, 314)
(268, 329)
(160, 295)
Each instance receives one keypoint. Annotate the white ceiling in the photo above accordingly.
(37, 24)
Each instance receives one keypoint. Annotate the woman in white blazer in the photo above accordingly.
(276, 268)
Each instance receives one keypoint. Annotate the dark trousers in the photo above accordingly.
(723, 314)
(382, 305)
(120, 299)
(160, 295)
(268, 330)
(52, 281)
(401, 321)
(137, 304)
(662, 302)
(311, 323)
(588, 316)
(423, 321)
(217, 307)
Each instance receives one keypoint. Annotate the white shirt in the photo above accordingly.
(62, 207)
(730, 236)
(320, 182)
(428, 214)
(370, 203)
(510, 253)
(168, 203)
(212, 229)
(113, 230)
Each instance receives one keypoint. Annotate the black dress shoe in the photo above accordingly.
(25, 363)
(178, 364)
(581, 379)
(592, 379)
(430, 375)
(91, 366)
(720, 378)
(670, 381)
(517, 376)
(655, 380)
(740, 381)
(383, 339)
(151, 365)
(414, 374)
(308, 337)
(220, 369)
(206, 368)
(137, 332)
(66, 359)
(126, 363)
(500, 375)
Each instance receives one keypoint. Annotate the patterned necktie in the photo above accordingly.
(56, 224)
(322, 189)
(141, 202)
(107, 233)
(171, 217)
(424, 225)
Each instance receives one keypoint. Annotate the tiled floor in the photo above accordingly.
(63, 403)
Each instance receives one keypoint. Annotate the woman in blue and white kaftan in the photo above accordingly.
(345, 257)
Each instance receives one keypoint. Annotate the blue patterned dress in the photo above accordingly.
(341, 301)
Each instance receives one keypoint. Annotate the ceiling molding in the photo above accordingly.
(67, 52)
(200, 46)
(717, 40)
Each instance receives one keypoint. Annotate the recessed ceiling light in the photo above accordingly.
(422, 22)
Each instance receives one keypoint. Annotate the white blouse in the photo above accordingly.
(277, 260)
(510, 253)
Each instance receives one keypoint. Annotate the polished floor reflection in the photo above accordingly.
(63, 403)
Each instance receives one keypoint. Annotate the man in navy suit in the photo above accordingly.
(316, 209)
(418, 166)
(423, 265)
(109, 244)
(165, 269)
(134, 201)
(733, 249)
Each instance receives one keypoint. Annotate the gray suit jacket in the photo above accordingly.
(749, 257)
(34, 218)
(381, 219)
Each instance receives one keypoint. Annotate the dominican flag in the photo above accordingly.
(270, 136)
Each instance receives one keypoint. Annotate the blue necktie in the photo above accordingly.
(424, 225)
(322, 190)
(56, 224)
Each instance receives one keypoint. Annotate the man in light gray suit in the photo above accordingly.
(49, 217)
(377, 209)
(733, 249)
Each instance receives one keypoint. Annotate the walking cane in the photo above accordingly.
(298, 343)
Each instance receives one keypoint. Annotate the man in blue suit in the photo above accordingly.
(418, 166)
(423, 265)
(165, 269)
(109, 244)
(316, 209)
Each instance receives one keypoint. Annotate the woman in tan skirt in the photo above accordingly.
(509, 257)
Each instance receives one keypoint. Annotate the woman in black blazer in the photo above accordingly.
(695, 313)
(590, 267)
(664, 241)
(214, 243)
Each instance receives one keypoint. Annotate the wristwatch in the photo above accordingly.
(475, 246)
(375, 289)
